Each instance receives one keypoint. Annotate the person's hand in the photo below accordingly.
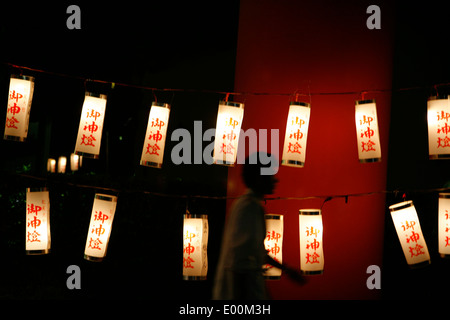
(296, 276)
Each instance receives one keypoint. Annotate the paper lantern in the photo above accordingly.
(155, 137)
(62, 163)
(274, 244)
(19, 105)
(294, 149)
(51, 165)
(367, 133)
(311, 244)
(195, 243)
(409, 233)
(100, 227)
(444, 225)
(91, 125)
(37, 221)
(438, 128)
(228, 127)
(75, 162)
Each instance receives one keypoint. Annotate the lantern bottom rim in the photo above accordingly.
(87, 155)
(195, 278)
(37, 252)
(312, 273)
(224, 163)
(93, 259)
(370, 160)
(439, 156)
(293, 163)
(151, 164)
(445, 255)
(14, 138)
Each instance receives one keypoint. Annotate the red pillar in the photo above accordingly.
(320, 47)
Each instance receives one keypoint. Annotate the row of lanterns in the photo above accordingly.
(228, 125)
(196, 232)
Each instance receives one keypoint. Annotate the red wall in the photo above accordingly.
(284, 46)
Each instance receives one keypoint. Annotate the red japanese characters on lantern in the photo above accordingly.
(37, 237)
(311, 244)
(367, 133)
(438, 128)
(274, 244)
(294, 149)
(409, 233)
(444, 224)
(228, 127)
(100, 227)
(195, 244)
(19, 105)
(91, 125)
(155, 137)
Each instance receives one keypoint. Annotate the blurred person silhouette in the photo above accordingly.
(239, 274)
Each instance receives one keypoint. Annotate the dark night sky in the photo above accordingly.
(167, 44)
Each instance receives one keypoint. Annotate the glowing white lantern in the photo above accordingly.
(367, 133)
(311, 245)
(51, 165)
(91, 125)
(155, 137)
(195, 243)
(294, 149)
(19, 105)
(62, 163)
(444, 224)
(74, 162)
(37, 221)
(409, 233)
(100, 227)
(274, 244)
(438, 128)
(228, 127)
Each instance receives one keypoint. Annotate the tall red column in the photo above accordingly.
(320, 47)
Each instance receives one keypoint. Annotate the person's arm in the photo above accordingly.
(292, 273)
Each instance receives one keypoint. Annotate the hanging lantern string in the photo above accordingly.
(227, 93)
(326, 198)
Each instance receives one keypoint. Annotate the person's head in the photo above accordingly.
(258, 173)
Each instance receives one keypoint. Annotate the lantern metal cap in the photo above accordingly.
(160, 104)
(441, 97)
(95, 95)
(299, 103)
(401, 205)
(366, 101)
(310, 211)
(189, 215)
(105, 197)
(22, 77)
(444, 195)
(231, 104)
(419, 264)
(273, 216)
